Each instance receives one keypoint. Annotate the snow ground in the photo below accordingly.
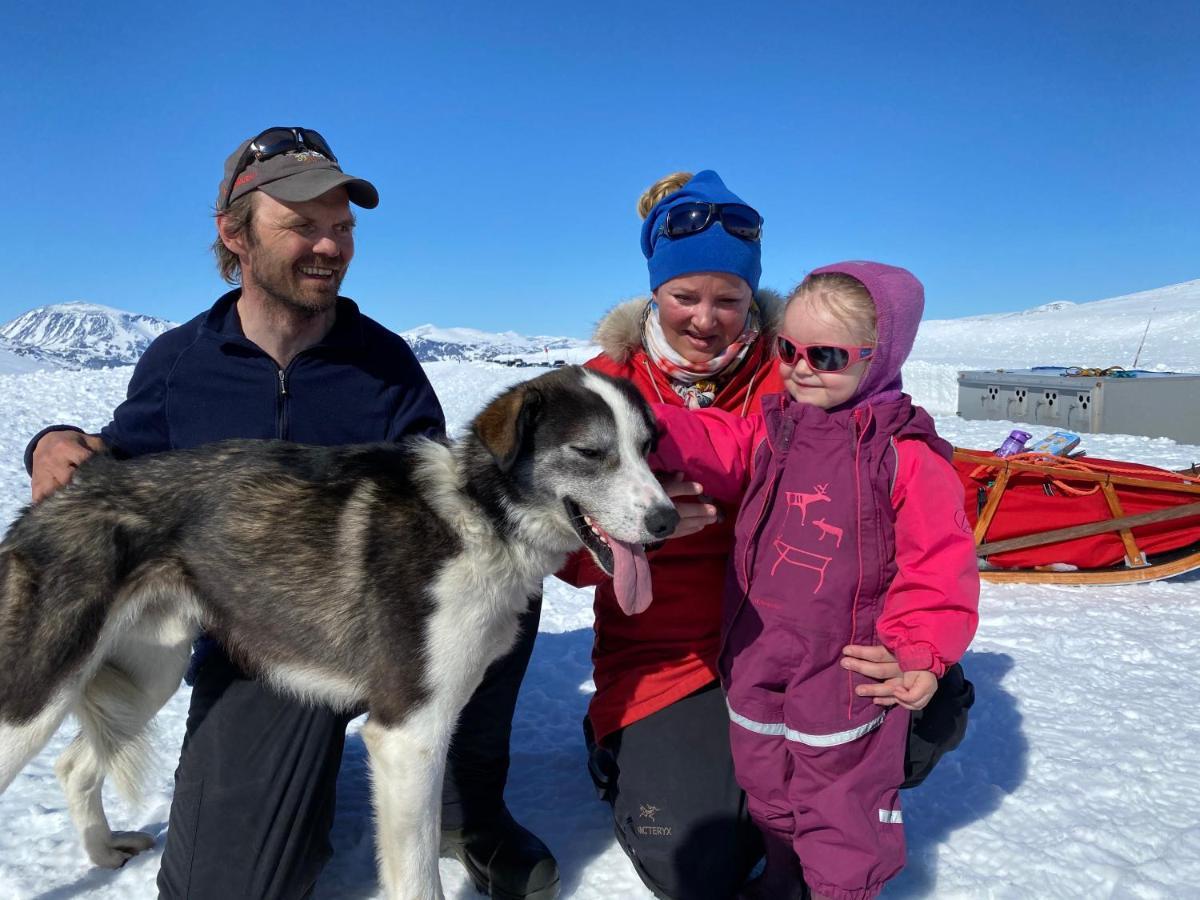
(1079, 777)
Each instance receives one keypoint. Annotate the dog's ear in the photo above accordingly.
(507, 422)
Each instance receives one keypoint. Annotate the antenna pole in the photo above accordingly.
(1137, 355)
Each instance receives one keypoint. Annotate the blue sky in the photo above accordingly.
(1009, 154)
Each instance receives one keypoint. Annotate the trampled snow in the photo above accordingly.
(1080, 774)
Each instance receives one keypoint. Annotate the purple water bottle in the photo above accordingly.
(1014, 443)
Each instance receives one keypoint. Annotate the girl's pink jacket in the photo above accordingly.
(930, 611)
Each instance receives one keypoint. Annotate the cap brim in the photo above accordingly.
(312, 184)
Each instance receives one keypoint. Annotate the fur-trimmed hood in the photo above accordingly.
(619, 332)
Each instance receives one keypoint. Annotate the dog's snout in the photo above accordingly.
(661, 521)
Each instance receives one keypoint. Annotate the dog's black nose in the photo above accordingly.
(661, 521)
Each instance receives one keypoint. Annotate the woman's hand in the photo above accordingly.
(916, 689)
(696, 511)
(876, 662)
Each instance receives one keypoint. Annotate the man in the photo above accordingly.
(284, 356)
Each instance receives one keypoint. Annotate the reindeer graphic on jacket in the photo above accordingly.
(850, 530)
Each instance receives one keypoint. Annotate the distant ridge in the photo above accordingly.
(1095, 334)
(433, 344)
(87, 335)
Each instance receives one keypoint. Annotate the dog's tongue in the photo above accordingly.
(631, 576)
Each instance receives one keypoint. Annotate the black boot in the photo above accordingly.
(782, 877)
(505, 861)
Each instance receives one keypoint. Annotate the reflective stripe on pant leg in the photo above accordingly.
(779, 729)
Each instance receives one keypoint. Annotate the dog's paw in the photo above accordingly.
(119, 848)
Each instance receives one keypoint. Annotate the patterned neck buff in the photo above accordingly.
(696, 383)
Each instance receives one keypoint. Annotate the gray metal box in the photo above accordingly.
(1156, 404)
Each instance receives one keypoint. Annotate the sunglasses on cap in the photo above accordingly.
(273, 142)
(821, 357)
(737, 219)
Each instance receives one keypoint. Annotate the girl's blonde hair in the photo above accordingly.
(844, 298)
(664, 187)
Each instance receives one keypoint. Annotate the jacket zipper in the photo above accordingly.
(749, 394)
(281, 422)
(857, 432)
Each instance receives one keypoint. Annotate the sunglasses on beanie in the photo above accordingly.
(821, 357)
(738, 219)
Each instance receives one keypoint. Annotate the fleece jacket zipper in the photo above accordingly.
(281, 415)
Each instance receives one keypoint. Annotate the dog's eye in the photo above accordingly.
(588, 452)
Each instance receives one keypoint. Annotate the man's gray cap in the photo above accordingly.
(295, 176)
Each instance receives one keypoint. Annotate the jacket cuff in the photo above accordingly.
(29, 448)
(918, 658)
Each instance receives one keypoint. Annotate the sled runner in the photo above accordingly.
(1050, 520)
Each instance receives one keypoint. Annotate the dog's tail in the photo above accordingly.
(18, 612)
(36, 693)
(24, 729)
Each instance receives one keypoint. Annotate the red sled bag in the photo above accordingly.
(1060, 493)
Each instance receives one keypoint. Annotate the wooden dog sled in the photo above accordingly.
(1051, 520)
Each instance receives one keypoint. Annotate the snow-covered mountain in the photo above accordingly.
(81, 335)
(433, 344)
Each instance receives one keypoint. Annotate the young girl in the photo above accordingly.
(851, 531)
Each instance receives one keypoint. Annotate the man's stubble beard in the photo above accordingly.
(279, 289)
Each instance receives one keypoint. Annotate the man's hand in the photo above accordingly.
(874, 662)
(56, 457)
(696, 511)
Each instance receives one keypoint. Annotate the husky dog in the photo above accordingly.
(377, 577)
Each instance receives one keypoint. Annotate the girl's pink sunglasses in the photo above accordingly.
(821, 357)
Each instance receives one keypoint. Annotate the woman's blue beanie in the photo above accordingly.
(711, 250)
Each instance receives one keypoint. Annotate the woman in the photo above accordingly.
(657, 725)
